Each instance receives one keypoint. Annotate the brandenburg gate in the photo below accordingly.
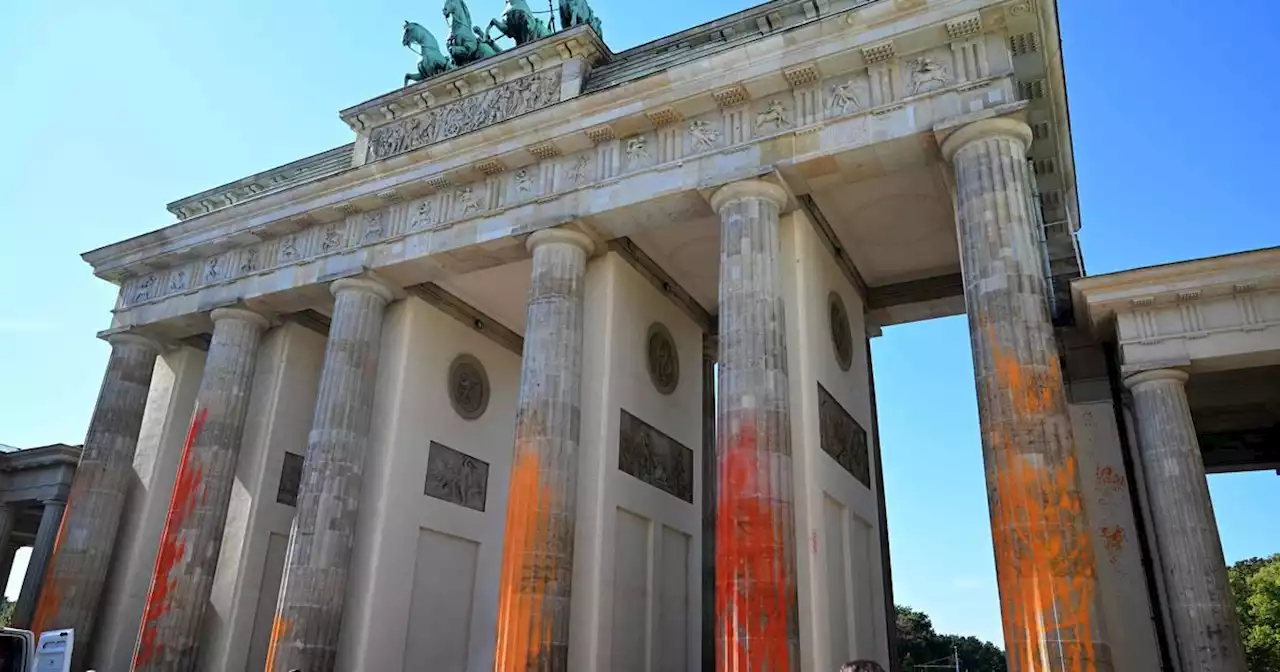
(563, 364)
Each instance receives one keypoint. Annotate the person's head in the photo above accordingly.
(861, 666)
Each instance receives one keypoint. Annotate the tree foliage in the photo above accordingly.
(1255, 583)
(920, 644)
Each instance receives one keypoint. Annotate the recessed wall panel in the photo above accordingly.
(630, 593)
(444, 578)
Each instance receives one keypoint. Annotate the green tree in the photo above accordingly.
(1255, 583)
(920, 644)
(6, 612)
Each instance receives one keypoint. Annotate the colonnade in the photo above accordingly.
(1047, 584)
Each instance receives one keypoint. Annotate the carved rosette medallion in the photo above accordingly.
(841, 333)
(662, 358)
(468, 387)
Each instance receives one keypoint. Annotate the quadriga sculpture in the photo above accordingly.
(519, 23)
(577, 12)
(433, 61)
(466, 42)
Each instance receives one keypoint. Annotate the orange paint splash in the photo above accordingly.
(280, 629)
(172, 549)
(51, 590)
(527, 568)
(755, 588)
(1044, 557)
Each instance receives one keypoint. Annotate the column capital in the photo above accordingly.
(1136, 380)
(560, 235)
(362, 285)
(1000, 127)
(241, 314)
(123, 338)
(758, 189)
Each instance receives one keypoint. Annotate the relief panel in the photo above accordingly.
(654, 457)
(456, 477)
(842, 437)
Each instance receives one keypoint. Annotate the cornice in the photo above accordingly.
(828, 43)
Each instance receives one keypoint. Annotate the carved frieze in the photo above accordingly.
(654, 457)
(466, 115)
(842, 437)
(456, 477)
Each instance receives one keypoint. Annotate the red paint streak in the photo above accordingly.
(754, 585)
(50, 603)
(172, 549)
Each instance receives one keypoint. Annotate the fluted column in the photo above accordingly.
(756, 610)
(537, 552)
(192, 537)
(7, 516)
(1044, 553)
(46, 536)
(82, 554)
(308, 619)
(1205, 626)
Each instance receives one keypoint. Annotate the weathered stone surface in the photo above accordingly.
(756, 609)
(654, 457)
(308, 617)
(188, 555)
(1206, 630)
(537, 554)
(77, 571)
(1044, 552)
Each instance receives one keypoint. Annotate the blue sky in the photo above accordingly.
(114, 109)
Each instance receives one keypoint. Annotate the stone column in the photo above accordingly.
(82, 555)
(1044, 552)
(308, 618)
(756, 609)
(1204, 614)
(192, 537)
(537, 552)
(46, 536)
(7, 516)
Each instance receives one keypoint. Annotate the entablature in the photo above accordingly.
(859, 75)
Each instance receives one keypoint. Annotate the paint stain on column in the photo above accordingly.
(528, 568)
(753, 583)
(172, 549)
(280, 629)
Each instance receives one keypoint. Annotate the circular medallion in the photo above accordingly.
(841, 334)
(664, 361)
(468, 387)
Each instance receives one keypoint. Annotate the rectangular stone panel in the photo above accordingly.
(290, 479)
(842, 437)
(671, 650)
(837, 588)
(631, 593)
(456, 477)
(268, 593)
(654, 457)
(444, 578)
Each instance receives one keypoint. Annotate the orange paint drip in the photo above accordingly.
(172, 549)
(51, 590)
(523, 632)
(1044, 554)
(754, 586)
(280, 629)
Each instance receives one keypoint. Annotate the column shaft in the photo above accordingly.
(7, 516)
(192, 538)
(1044, 553)
(82, 554)
(46, 536)
(537, 553)
(1203, 610)
(308, 618)
(756, 608)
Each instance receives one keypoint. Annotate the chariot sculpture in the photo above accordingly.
(467, 43)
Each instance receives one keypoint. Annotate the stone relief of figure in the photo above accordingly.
(704, 134)
(637, 152)
(926, 72)
(774, 115)
(578, 171)
(524, 183)
(844, 98)
(467, 199)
